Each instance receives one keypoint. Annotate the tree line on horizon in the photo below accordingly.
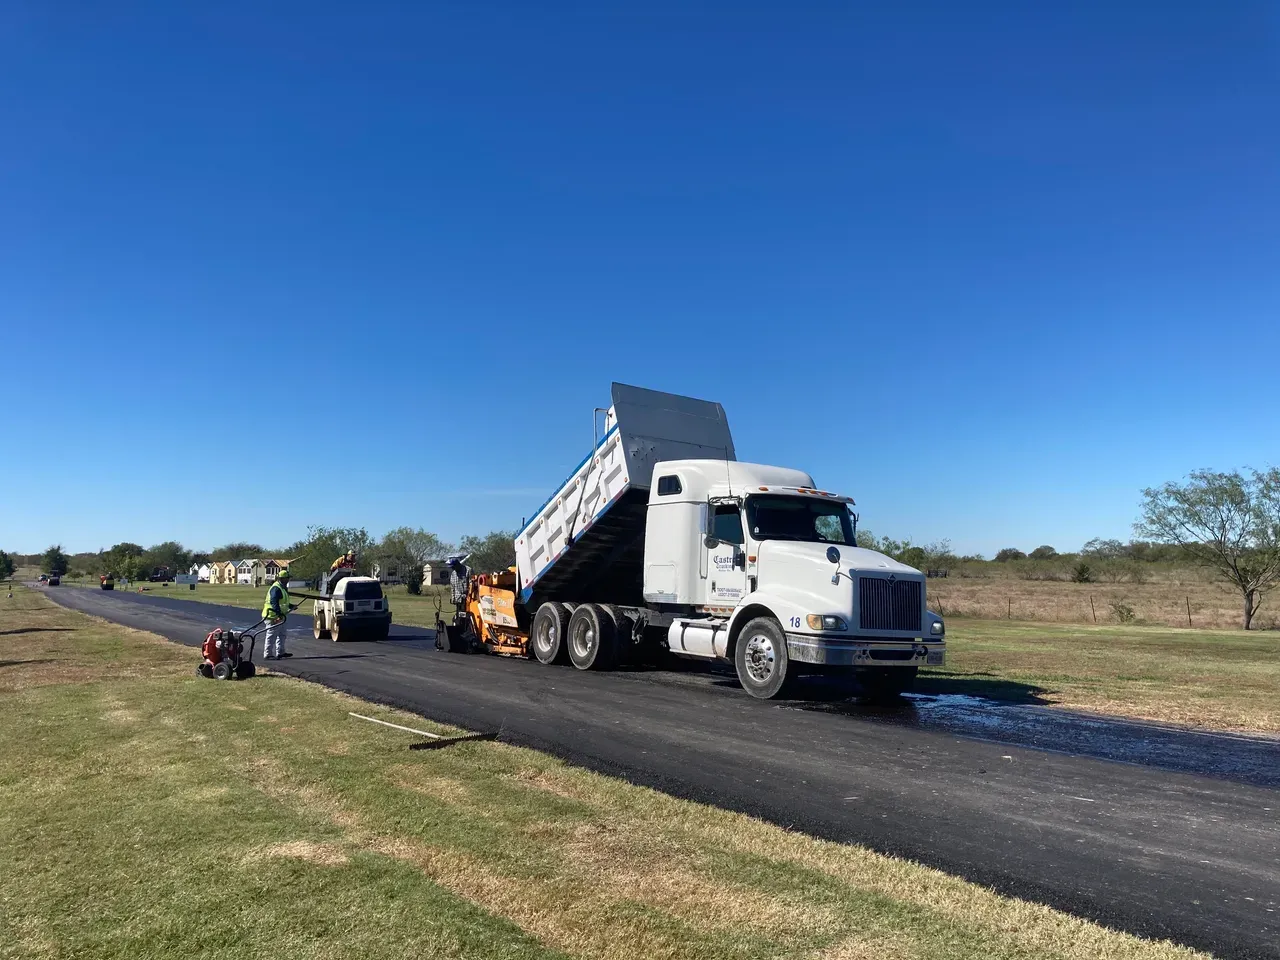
(405, 550)
(1227, 523)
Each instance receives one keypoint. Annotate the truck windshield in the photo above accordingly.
(799, 518)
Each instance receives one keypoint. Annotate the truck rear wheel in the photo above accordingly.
(550, 627)
(761, 658)
(591, 635)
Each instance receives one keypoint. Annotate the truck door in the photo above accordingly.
(726, 561)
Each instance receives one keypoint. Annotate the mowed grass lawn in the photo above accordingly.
(145, 812)
(1216, 679)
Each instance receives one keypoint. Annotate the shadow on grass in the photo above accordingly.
(25, 663)
(15, 632)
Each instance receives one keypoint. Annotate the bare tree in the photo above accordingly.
(1225, 521)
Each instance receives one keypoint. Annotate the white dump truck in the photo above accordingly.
(662, 537)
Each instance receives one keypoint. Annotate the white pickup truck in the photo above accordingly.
(661, 536)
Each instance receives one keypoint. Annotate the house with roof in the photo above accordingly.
(388, 574)
(200, 571)
(244, 570)
(222, 572)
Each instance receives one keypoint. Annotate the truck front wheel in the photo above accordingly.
(317, 628)
(761, 658)
(550, 625)
(591, 638)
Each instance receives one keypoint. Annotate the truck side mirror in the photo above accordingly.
(711, 542)
(833, 554)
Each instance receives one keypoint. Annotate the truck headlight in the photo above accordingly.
(936, 628)
(827, 621)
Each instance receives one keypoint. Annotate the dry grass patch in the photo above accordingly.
(325, 854)
(1214, 606)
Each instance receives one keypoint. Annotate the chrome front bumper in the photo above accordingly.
(844, 652)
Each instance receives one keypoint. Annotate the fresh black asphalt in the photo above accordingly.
(1146, 829)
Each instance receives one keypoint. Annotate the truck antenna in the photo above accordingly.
(727, 478)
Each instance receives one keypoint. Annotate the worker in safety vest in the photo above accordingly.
(276, 612)
(348, 559)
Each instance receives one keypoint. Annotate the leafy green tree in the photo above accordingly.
(237, 551)
(1227, 522)
(123, 560)
(867, 540)
(7, 566)
(405, 550)
(1044, 552)
(54, 562)
(913, 557)
(1010, 553)
(171, 555)
(310, 558)
(491, 553)
(1101, 549)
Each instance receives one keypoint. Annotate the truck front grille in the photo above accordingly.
(889, 604)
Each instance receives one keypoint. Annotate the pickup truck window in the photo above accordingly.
(799, 518)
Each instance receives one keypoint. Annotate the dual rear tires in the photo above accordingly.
(588, 637)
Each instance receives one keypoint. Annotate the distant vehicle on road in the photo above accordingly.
(55, 580)
(44, 578)
(108, 581)
(161, 575)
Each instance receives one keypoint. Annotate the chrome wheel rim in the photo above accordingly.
(548, 635)
(583, 638)
(760, 658)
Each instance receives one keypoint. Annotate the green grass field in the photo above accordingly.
(1217, 679)
(145, 812)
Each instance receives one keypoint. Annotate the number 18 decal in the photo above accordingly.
(795, 621)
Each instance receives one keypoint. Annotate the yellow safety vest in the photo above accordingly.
(267, 612)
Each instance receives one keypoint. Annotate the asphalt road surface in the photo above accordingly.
(1142, 828)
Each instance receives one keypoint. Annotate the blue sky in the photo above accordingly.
(991, 269)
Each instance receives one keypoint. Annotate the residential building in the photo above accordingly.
(435, 572)
(389, 575)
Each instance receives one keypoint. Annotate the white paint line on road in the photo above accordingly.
(1085, 799)
(396, 726)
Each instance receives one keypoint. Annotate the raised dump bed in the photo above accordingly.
(587, 541)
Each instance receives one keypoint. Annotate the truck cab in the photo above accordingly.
(762, 568)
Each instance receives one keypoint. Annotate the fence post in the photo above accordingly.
(1093, 608)
(1188, 612)
(1010, 616)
